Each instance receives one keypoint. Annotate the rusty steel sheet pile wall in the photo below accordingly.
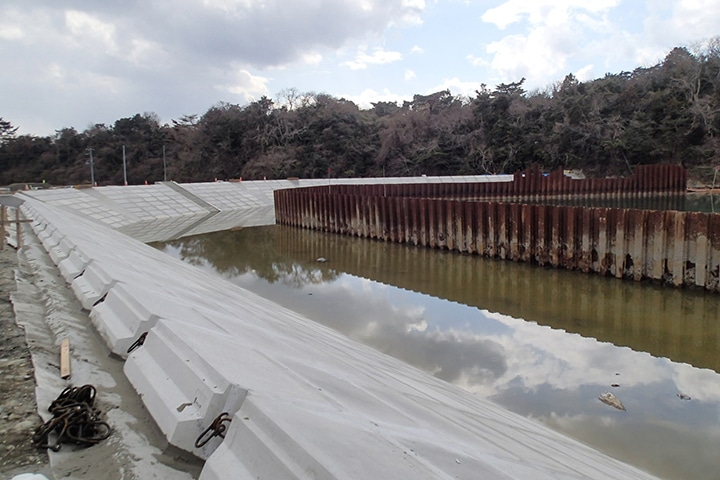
(647, 180)
(673, 247)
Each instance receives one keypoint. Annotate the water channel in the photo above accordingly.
(541, 342)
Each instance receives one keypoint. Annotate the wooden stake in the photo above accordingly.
(65, 358)
(18, 231)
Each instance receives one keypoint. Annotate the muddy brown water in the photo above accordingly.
(544, 343)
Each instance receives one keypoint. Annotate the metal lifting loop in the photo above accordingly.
(138, 342)
(216, 429)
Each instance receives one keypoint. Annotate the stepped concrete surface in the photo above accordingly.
(297, 399)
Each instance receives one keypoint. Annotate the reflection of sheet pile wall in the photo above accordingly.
(305, 401)
(612, 312)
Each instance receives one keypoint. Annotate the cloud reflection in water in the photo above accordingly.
(544, 373)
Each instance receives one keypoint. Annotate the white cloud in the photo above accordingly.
(555, 36)
(520, 56)
(542, 12)
(477, 61)
(228, 6)
(680, 23)
(378, 57)
(697, 14)
(417, 50)
(10, 32)
(664, 25)
(107, 84)
(413, 10)
(369, 96)
(91, 32)
(585, 73)
(142, 52)
(409, 75)
(414, 4)
(457, 87)
(55, 71)
(312, 58)
(246, 85)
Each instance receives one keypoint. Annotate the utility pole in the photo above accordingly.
(164, 166)
(124, 166)
(92, 168)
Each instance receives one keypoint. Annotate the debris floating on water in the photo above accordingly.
(610, 399)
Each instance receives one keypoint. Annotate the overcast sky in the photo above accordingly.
(75, 63)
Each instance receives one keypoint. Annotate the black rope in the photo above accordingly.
(74, 420)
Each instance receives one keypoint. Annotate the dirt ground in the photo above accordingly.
(18, 410)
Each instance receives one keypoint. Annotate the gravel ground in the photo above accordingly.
(18, 410)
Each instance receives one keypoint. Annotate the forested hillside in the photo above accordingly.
(668, 113)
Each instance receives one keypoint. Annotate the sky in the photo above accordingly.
(77, 63)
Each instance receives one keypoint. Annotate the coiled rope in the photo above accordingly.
(74, 420)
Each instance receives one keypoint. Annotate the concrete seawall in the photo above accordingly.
(303, 401)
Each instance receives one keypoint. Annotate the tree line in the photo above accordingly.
(667, 113)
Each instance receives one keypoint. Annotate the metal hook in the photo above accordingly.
(138, 342)
(216, 429)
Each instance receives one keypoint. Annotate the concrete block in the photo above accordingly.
(120, 319)
(50, 237)
(181, 387)
(38, 226)
(39, 222)
(73, 265)
(62, 250)
(92, 285)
